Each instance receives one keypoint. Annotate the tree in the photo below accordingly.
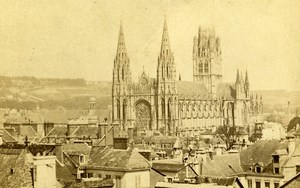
(228, 134)
(293, 123)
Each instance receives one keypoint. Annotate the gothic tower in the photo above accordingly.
(167, 99)
(121, 82)
(207, 67)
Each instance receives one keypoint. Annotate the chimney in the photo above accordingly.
(218, 150)
(291, 146)
(146, 154)
(121, 143)
(59, 153)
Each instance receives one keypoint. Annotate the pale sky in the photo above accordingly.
(78, 38)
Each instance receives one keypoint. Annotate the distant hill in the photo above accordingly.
(51, 93)
(277, 100)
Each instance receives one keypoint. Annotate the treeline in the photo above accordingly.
(27, 81)
(76, 103)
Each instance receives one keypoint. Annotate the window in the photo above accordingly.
(201, 68)
(137, 181)
(206, 67)
(258, 169)
(118, 181)
(123, 74)
(297, 169)
(250, 183)
(267, 184)
(276, 185)
(276, 170)
(99, 176)
(108, 176)
(275, 159)
(81, 159)
(90, 175)
(257, 184)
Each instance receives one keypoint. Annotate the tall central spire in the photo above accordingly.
(121, 49)
(165, 43)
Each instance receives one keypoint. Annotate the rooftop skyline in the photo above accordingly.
(68, 39)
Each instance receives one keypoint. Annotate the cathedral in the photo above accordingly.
(176, 107)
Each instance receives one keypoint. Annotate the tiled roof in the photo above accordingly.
(168, 165)
(7, 138)
(59, 131)
(116, 159)
(225, 165)
(71, 148)
(63, 175)
(261, 151)
(188, 89)
(27, 130)
(85, 131)
(14, 160)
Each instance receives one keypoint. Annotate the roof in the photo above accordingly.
(293, 182)
(59, 131)
(85, 131)
(7, 138)
(14, 160)
(261, 151)
(187, 88)
(168, 165)
(63, 174)
(117, 159)
(225, 165)
(76, 148)
(226, 91)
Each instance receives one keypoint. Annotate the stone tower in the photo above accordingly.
(207, 67)
(242, 102)
(121, 82)
(167, 99)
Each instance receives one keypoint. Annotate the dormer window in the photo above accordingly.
(258, 169)
(276, 170)
(81, 159)
(275, 158)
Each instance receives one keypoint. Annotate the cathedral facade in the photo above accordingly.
(176, 107)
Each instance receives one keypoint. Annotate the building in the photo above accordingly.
(126, 167)
(179, 107)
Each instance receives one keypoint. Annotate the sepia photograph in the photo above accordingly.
(149, 94)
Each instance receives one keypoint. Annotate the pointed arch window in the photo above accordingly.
(206, 67)
(118, 109)
(163, 112)
(124, 109)
(162, 71)
(123, 73)
(200, 67)
(169, 108)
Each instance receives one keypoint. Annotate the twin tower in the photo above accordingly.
(157, 103)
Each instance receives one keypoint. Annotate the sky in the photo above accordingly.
(78, 38)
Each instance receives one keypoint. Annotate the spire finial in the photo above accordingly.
(238, 77)
(121, 49)
(246, 78)
(165, 44)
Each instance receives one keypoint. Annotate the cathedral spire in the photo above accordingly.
(238, 77)
(165, 43)
(246, 78)
(121, 49)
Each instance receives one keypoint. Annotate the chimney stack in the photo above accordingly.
(59, 153)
